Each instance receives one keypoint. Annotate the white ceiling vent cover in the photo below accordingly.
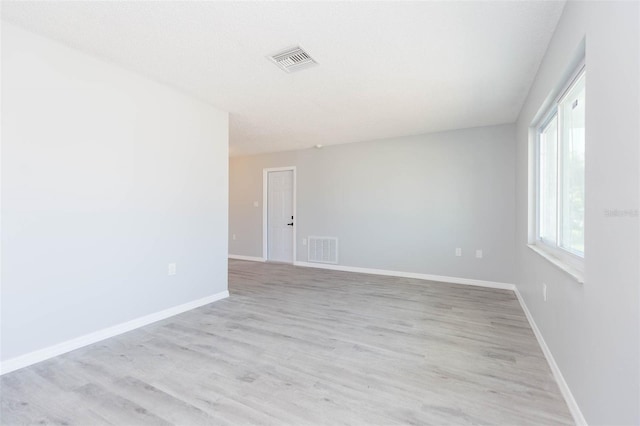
(293, 59)
(323, 249)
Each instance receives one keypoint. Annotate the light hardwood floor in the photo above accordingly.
(305, 346)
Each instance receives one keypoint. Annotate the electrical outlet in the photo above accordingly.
(544, 292)
(458, 252)
(233, 237)
(479, 254)
(172, 268)
(304, 241)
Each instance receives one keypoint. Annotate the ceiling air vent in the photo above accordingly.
(293, 59)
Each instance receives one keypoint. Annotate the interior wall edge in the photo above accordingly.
(40, 355)
(248, 258)
(415, 275)
(573, 406)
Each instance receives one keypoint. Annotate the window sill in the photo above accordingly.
(575, 273)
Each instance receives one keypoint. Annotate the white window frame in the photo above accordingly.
(570, 261)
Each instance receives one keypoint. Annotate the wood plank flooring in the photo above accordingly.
(302, 346)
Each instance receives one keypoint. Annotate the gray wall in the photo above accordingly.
(106, 178)
(593, 329)
(401, 204)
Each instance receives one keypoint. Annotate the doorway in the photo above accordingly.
(279, 214)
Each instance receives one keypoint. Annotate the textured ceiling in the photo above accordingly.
(386, 68)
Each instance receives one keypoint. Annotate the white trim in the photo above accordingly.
(249, 258)
(265, 199)
(576, 273)
(429, 277)
(557, 374)
(569, 261)
(578, 418)
(79, 342)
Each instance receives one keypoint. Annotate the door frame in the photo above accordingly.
(265, 218)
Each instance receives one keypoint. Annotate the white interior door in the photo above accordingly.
(280, 221)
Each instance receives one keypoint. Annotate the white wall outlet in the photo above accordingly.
(458, 252)
(304, 241)
(544, 292)
(172, 268)
(256, 204)
(233, 237)
(479, 254)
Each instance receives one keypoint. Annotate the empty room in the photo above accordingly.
(320, 213)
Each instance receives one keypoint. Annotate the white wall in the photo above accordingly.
(592, 329)
(106, 178)
(402, 204)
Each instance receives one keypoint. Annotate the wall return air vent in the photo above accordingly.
(323, 249)
(293, 59)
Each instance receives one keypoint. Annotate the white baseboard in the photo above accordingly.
(249, 258)
(578, 418)
(419, 276)
(70, 345)
(557, 374)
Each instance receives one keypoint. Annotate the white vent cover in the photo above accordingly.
(323, 249)
(293, 59)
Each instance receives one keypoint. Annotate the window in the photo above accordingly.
(560, 195)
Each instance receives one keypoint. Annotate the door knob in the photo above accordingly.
(290, 224)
